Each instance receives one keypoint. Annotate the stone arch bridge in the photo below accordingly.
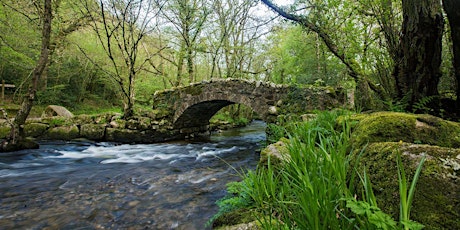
(189, 108)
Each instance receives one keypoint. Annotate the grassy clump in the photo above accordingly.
(315, 187)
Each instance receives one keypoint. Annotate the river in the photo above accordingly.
(89, 185)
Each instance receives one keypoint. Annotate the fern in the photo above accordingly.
(422, 105)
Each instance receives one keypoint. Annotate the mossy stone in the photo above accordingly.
(92, 131)
(35, 129)
(237, 217)
(83, 119)
(63, 133)
(277, 153)
(412, 128)
(437, 196)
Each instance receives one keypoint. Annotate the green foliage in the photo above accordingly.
(237, 198)
(58, 121)
(423, 105)
(376, 217)
(407, 196)
(298, 57)
(274, 133)
(314, 188)
(306, 193)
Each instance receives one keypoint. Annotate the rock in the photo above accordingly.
(277, 152)
(138, 123)
(83, 119)
(245, 226)
(35, 129)
(308, 117)
(437, 195)
(92, 131)
(26, 143)
(412, 128)
(273, 110)
(56, 110)
(238, 219)
(63, 133)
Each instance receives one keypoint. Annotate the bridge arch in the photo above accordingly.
(198, 113)
(189, 108)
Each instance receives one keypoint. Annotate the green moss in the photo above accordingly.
(92, 131)
(235, 217)
(412, 128)
(194, 89)
(4, 130)
(437, 200)
(56, 121)
(63, 133)
(35, 129)
(277, 153)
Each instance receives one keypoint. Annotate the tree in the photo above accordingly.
(121, 26)
(417, 67)
(330, 39)
(187, 18)
(453, 15)
(415, 49)
(16, 139)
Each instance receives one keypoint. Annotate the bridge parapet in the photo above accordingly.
(190, 107)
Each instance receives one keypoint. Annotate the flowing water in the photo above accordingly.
(87, 185)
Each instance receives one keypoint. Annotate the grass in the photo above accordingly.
(315, 188)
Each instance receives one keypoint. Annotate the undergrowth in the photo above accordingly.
(315, 187)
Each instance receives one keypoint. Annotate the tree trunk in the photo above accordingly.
(451, 7)
(417, 70)
(128, 110)
(16, 139)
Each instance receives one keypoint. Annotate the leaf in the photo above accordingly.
(382, 220)
(409, 224)
(358, 207)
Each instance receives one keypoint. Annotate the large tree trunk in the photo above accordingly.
(451, 7)
(16, 139)
(417, 70)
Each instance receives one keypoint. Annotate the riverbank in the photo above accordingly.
(149, 127)
(344, 171)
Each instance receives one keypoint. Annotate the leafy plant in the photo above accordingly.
(407, 196)
(423, 104)
(376, 217)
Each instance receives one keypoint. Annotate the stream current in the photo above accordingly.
(91, 185)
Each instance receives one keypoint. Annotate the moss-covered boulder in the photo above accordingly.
(245, 226)
(63, 133)
(138, 123)
(412, 128)
(276, 152)
(135, 136)
(35, 129)
(437, 197)
(83, 119)
(236, 219)
(92, 131)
